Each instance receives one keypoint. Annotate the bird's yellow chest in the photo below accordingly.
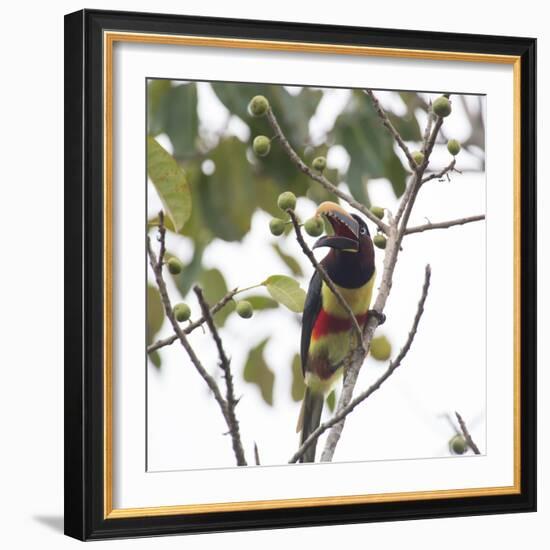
(357, 298)
(332, 336)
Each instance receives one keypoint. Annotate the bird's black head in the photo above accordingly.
(347, 232)
(350, 262)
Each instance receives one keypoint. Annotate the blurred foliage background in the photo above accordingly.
(228, 183)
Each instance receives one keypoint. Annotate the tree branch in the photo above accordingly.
(225, 365)
(157, 269)
(323, 272)
(195, 324)
(467, 435)
(438, 175)
(342, 413)
(318, 177)
(444, 225)
(395, 236)
(156, 266)
(391, 128)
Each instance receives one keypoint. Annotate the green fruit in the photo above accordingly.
(286, 201)
(418, 157)
(442, 106)
(380, 348)
(453, 146)
(182, 312)
(261, 145)
(379, 241)
(258, 105)
(314, 226)
(319, 163)
(244, 309)
(277, 226)
(458, 444)
(174, 266)
(378, 211)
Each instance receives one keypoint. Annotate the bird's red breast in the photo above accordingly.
(332, 324)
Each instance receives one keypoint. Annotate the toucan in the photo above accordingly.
(327, 331)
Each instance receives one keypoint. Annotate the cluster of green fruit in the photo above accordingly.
(261, 145)
(287, 201)
(442, 108)
(379, 240)
(259, 106)
(182, 312)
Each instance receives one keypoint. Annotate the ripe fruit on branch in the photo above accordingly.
(314, 226)
(182, 312)
(319, 163)
(277, 226)
(258, 106)
(174, 266)
(244, 309)
(261, 145)
(286, 200)
(442, 106)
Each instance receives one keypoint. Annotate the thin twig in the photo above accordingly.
(195, 324)
(323, 272)
(428, 130)
(211, 383)
(318, 177)
(341, 414)
(225, 365)
(391, 129)
(467, 435)
(156, 266)
(438, 175)
(406, 206)
(444, 225)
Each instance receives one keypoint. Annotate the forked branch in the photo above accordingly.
(156, 266)
(225, 365)
(347, 409)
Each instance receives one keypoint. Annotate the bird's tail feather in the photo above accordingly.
(310, 418)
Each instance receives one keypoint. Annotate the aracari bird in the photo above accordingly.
(327, 331)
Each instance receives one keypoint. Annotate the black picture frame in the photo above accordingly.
(84, 282)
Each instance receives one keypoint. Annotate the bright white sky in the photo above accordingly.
(443, 372)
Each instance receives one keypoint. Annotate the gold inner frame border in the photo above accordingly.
(109, 39)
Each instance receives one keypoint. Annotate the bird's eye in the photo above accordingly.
(363, 231)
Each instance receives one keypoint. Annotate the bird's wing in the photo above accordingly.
(314, 301)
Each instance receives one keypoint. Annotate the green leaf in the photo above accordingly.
(370, 146)
(155, 318)
(191, 272)
(396, 174)
(215, 288)
(298, 387)
(182, 120)
(170, 182)
(290, 262)
(173, 110)
(155, 358)
(259, 303)
(287, 291)
(256, 371)
(331, 401)
(228, 196)
(276, 166)
(293, 111)
(157, 90)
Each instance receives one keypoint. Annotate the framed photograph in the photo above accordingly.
(300, 274)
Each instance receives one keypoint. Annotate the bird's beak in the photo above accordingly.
(345, 229)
